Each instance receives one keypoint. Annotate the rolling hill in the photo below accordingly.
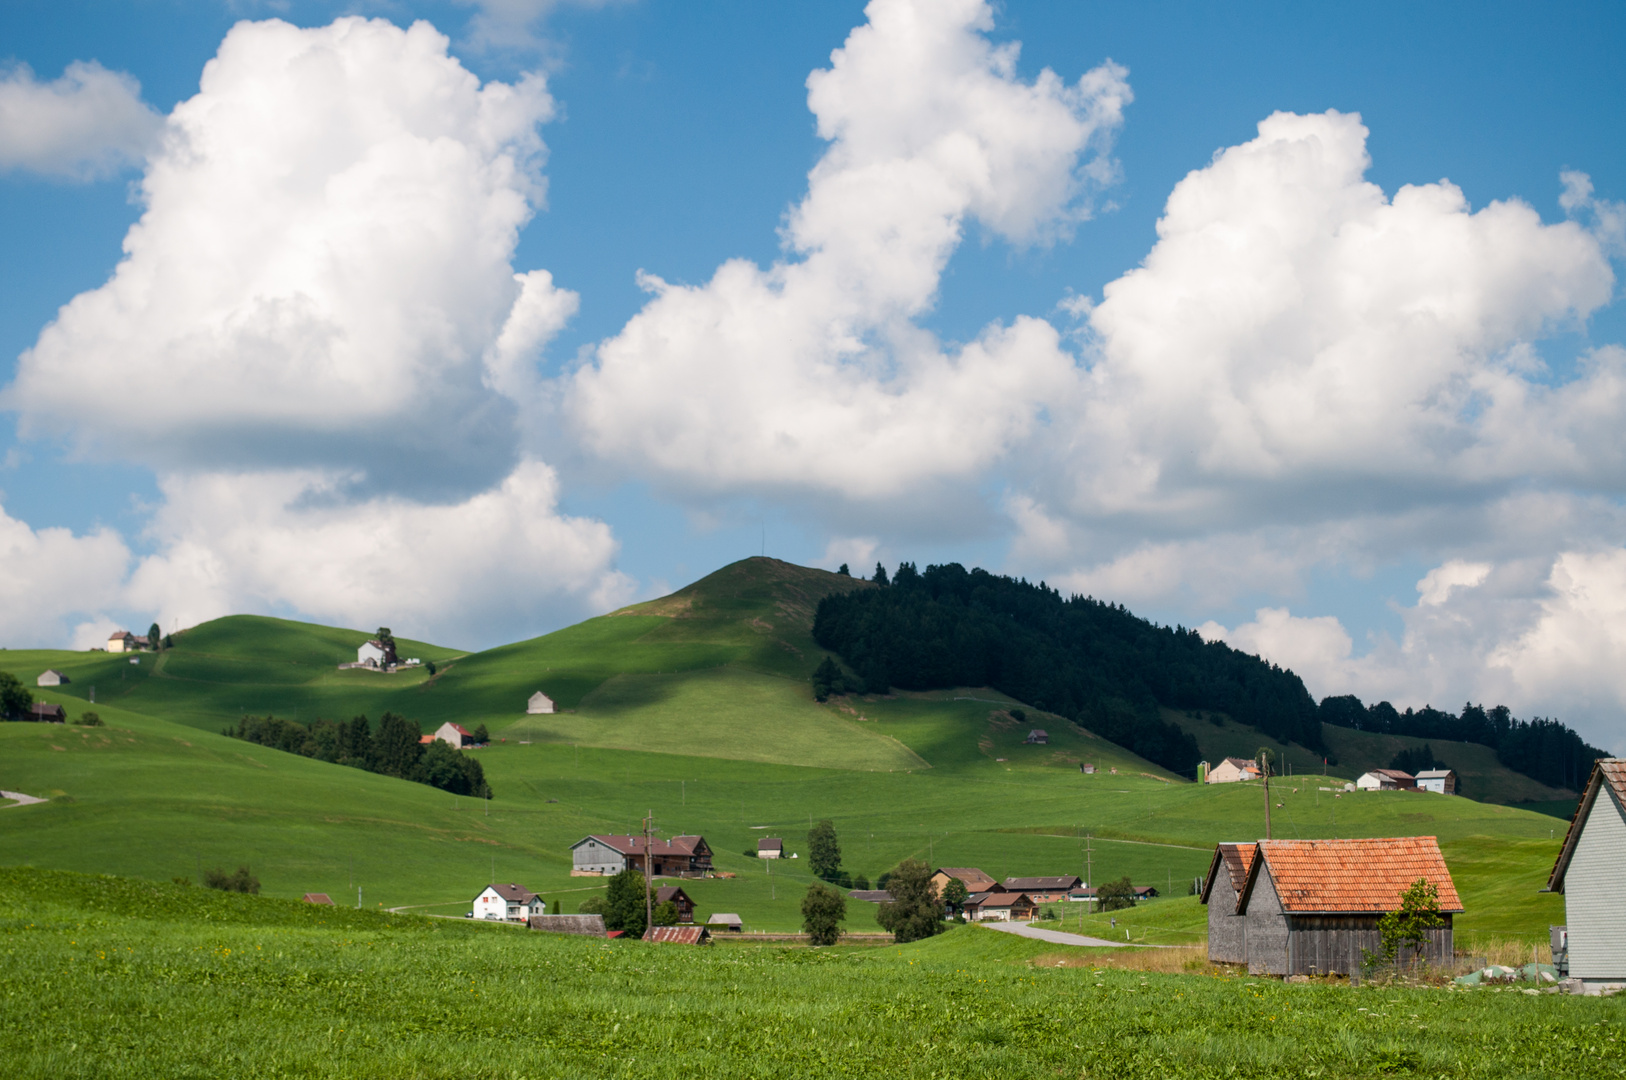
(696, 706)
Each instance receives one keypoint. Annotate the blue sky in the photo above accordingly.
(680, 137)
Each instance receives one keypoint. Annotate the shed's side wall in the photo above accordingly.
(1595, 893)
(1337, 944)
(1266, 928)
(1227, 931)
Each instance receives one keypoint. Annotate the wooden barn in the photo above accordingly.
(679, 899)
(1588, 873)
(1312, 906)
(1227, 876)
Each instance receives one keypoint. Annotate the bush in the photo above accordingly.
(823, 910)
(593, 905)
(624, 903)
(241, 881)
(14, 697)
(1117, 895)
(89, 719)
(666, 914)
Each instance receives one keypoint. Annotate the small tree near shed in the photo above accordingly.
(823, 910)
(1409, 925)
(1117, 895)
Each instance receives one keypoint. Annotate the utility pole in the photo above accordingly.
(649, 897)
(1089, 860)
(1264, 772)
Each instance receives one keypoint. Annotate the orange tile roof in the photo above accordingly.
(1235, 859)
(1606, 772)
(1363, 875)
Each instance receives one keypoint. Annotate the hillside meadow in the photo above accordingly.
(156, 980)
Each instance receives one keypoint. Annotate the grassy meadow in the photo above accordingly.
(156, 980)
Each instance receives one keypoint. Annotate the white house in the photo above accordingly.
(1385, 780)
(1232, 770)
(507, 903)
(539, 703)
(1588, 874)
(121, 641)
(1443, 781)
(770, 847)
(456, 734)
(51, 677)
(371, 653)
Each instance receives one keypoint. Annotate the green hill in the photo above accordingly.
(696, 707)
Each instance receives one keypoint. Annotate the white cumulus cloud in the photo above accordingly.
(51, 580)
(813, 374)
(90, 122)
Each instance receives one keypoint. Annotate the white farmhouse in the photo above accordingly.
(1232, 770)
(371, 653)
(456, 734)
(1385, 780)
(121, 641)
(51, 677)
(539, 703)
(1588, 874)
(507, 903)
(1443, 781)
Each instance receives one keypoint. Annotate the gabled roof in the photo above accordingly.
(671, 892)
(1234, 859)
(1433, 774)
(514, 894)
(459, 728)
(634, 845)
(724, 918)
(1608, 779)
(1039, 884)
(770, 843)
(678, 935)
(1242, 762)
(1359, 876)
(120, 635)
(1003, 899)
(1392, 774)
(967, 874)
(317, 898)
(52, 671)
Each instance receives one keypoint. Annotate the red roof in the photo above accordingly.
(1003, 899)
(1235, 860)
(317, 898)
(461, 730)
(634, 845)
(678, 935)
(1346, 876)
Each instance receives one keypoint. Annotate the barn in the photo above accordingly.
(1227, 876)
(1312, 906)
(1588, 873)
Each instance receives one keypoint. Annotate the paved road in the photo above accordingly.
(1056, 937)
(22, 800)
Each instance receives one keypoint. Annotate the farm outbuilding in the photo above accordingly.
(1441, 781)
(1312, 906)
(456, 734)
(1232, 770)
(1385, 780)
(1000, 907)
(679, 899)
(600, 854)
(1588, 873)
(725, 920)
(47, 714)
(1227, 929)
(51, 677)
(539, 704)
(975, 880)
(678, 935)
(1038, 737)
(1043, 890)
(770, 847)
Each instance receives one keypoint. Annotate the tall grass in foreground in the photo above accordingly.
(110, 977)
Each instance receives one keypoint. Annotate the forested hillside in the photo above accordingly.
(1093, 662)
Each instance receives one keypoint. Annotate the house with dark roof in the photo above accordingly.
(679, 899)
(1312, 906)
(975, 880)
(1037, 737)
(1043, 890)
(47, 714)
(1233, 770)
(678, 935)
(507, 903)
(51, 677)
(681, 856)
(1385, 780)
(770, 847)
(1222, 888)
(1000, 906)
(1588, 874)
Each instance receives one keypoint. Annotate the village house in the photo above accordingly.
(507, 903)
(681, 856)
(121, 641)
(770, 847)
(1385, 780)
(975, 880)
(678, 935)
(1037, 737)
(456, 734)
(317, 898)
(47, 714)
(1443, 781)
(1588, 874)
(371, 654)
(539, 704)
(1043, 890)
(1222, 888)
(1312, 906)
(1000, 907)
(725, 920)
(52, 677)
(1233, 770)
(679, 899)
(1087, 768)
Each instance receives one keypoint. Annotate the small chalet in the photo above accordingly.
(1443, 781)
(681, 856)
(121, 641)
(317, 898)
(1312, 906)
(1232, 770)
(1222, 888)
(770, 847)
(1000, 907)
(725, 921)
(1043, 890)
(679, 935)
(52, 677)
(47, 714)
(975, 880)
(456, 734)
(507, 903)
(679, 899)
(539, 704)
(1037, 737)
(1386, 780)
(1588, 873)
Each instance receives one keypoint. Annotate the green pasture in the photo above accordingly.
(136, 980)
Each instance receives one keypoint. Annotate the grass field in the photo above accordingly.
(155, 980)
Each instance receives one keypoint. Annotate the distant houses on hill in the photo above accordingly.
(1385, 780)
(539, 704)
(379, 655)
(51, 677)
(606, 855)
(122, 641)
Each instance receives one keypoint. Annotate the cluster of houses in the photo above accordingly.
(1015, 899)
(515, 904)
(122, 641)
(1234, 770)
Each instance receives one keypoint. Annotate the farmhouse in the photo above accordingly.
(682, 856)
(317, 898)
(369, 654)
(1312, 906)
(507, 903)
(1037, 737)
(679, 935)
(1385, 780)
(1227, 874)
(121, 641)
(975, 880)
(679, 899)
(456, 734)
(1443, 781)
(1043, 890)
(1588, 873)
(52, 677)
(1000, 907)
(539, 704)
(770, 847)
(47, 714)
(725, 920)
(1232, 770)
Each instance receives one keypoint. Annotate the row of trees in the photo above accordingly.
(1542, 749)
(395, 749)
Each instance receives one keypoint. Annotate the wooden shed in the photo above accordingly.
(1312, 906)
(679, 899)
(1588, 873)
(1227, 876)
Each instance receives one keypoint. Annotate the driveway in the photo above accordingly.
(22, 800)
(1056, 937)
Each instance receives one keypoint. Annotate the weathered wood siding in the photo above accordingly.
(1227, 931)
(1266, 929)
(1336, 944)
(584, 925)
(1595, 893)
